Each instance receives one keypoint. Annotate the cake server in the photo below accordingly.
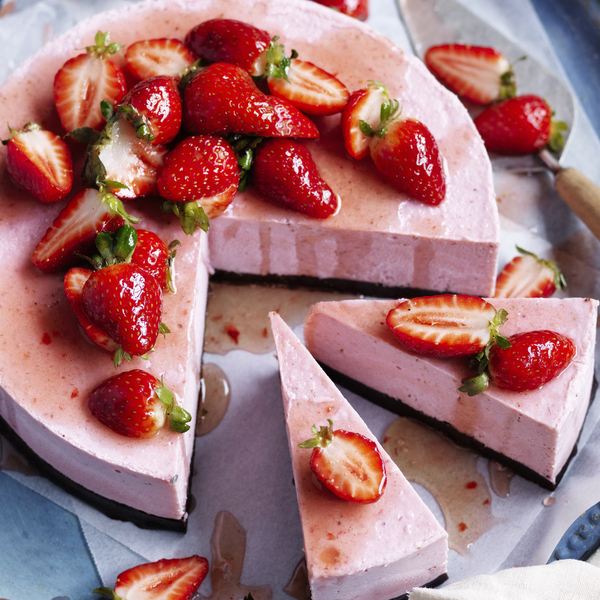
(433, 22)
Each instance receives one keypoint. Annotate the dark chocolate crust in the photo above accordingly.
(349, 286)
(437, 581)
(397, 406)
(112, 509)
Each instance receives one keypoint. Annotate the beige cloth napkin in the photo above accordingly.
(560, 580)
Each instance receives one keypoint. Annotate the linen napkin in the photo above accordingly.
(560, 580)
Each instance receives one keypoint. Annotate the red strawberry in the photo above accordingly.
(407, 155)
(84, 81)
(39, 161)
(230, 41)
(310, 89)
(153, 106)
(533, 359)
(363, 105)
(154, 256)
(446, 325)
(528, 276)
(73, 284)
(223, 99)
(479, 74)
(134, 321)
(359, 9)
(75, 229)
(520, 125)
(136, 404)
(347, 464)
(285, 173)
(163, 56)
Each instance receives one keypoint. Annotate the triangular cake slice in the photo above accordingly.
(377, 551)
(533, 432)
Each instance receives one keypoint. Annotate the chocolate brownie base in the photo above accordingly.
(397, 406)
(112, 509)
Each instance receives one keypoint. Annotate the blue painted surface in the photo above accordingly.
(44, 554)
(582, 539)
(574, 28)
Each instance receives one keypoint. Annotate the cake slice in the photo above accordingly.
(535, 432)
(372, 551)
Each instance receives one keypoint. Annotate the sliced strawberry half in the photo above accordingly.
(73, 284)
(149, 58)
(446, 325)
(166, 579)
(84, 81)
(529, 276)
(363, 106)
(479, 74)
(74, 230)
(359, 9)
(40, 161)
(310, 89)
(347, 464)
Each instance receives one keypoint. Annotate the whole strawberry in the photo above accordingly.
(136, 404)
(155, 257)
(153, 106)
(223, 99)
(520, 125)
(126, 303)
(39, 161)
(285, 173)
(533, 359)
(230, 41)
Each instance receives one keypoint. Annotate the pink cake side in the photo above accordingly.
(373, 551)
(537, 429)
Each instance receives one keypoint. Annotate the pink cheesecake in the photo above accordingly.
(533, 432)
(369, 551)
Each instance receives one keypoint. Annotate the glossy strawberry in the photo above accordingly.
(533, 359)
(528, 276)
(520, 125)
(446, 325)
(407, 155)
(153, 106)
(155, 257)
(477, 73)
(347, 464)
(162, 56)
(230, 41)
(310, 89)
(126, 303)
(223, 99)
(84, 81)
(75, 229)
(136, 404)
(40, 161)
(73, 285)
(359, 9)
(363, 105)
(285, 174)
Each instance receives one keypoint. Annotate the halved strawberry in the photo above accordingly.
(446, 325)
(136, 404)
(347, 464)
(155, 257)
(363, 105)
(162, 56)
(479, 74)
(310, 89)
(73, 284)
(529, 276)
(40, 161)
(359, 9)
(84, 81)
(75, 229)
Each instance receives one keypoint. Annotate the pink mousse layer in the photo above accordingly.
(537, 428)
(353, 551)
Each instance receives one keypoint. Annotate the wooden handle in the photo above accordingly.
(582, 195)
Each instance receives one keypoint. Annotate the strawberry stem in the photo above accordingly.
(102, 46)
(107, 593)
(170, 265)
(278, 64)
(475, 385)
(188, 74)
(178, 416)
(556, 141)
(323, 436)
(243, 146)
(560, 281)
(115, 205)
(191, 215)
(138, 122)
(119, 355)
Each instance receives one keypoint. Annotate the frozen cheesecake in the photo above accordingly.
(534, 432)
(376, 551)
